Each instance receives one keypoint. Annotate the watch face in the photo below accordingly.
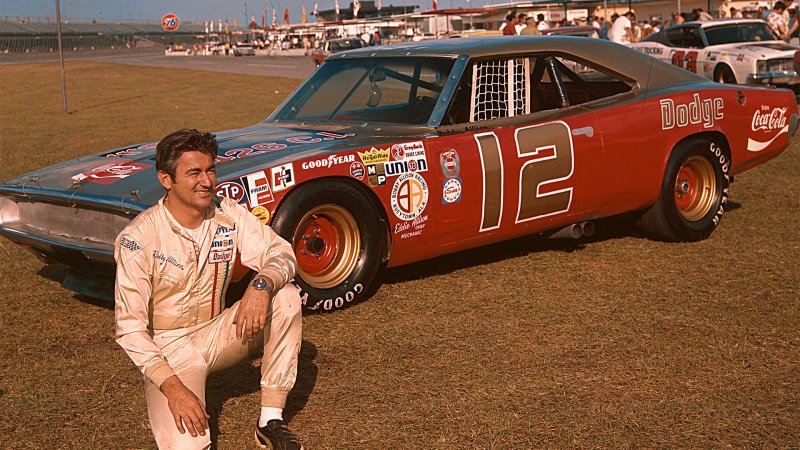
(260, 284)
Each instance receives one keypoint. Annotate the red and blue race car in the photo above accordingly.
(396, 154)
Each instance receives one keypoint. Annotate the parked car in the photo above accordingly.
(390, 155)
(332, 46)
(177, 50)
(473, 33)
(736, 51)
(583, 31)
(244, 49)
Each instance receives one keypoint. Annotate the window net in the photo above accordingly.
(500, 88)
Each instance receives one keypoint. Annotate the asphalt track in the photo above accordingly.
(279, 66)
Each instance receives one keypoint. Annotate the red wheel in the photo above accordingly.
(339, 237)
(695, 188)
(693, 195)
(326, 244)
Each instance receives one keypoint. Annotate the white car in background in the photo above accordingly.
(737, 51)
(244, 49)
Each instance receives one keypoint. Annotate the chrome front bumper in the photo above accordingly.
(789, 77)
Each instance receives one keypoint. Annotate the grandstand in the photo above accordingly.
(24, 36)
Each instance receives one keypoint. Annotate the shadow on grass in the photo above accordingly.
(244, 379)
(104, 104)
(616, 227)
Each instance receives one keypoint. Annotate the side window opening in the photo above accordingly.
(500, 88)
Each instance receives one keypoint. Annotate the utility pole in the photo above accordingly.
(61, 58)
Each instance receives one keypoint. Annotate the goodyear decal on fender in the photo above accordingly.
(330, 161)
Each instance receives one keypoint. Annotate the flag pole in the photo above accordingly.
(61, 58)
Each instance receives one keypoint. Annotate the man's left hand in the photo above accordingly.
(251, 316)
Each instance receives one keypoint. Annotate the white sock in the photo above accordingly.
(268, 413)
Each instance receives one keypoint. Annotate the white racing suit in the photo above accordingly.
(170, 309)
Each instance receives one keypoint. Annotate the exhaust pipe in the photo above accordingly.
(587, 228)
(574, 231)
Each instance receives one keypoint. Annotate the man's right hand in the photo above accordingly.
(186, 408)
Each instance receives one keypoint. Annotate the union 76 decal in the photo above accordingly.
(548, 157)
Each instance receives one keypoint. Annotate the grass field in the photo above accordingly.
(611, 343)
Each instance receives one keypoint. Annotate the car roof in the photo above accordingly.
(716, 22)
(624, 60)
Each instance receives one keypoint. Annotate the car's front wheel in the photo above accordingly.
(724, 74)
(693, 194)
(339, 239)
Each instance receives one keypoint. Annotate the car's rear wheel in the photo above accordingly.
(693, 194)
(338, 237)
(724, 74)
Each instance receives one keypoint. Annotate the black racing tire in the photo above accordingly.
(693, 193)
(339, 238)
(724, 74)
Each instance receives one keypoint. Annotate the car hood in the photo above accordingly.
(769, 49)
(127, 175)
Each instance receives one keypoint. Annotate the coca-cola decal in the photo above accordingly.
(768, 122)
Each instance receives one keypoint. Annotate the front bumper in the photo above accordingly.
(785, 78)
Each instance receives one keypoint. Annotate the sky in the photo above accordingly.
(191, 10)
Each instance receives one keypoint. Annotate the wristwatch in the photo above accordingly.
(261, 284)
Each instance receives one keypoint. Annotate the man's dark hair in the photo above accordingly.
(779, 6)
(630, 15)
(540, 17)
(175, 144)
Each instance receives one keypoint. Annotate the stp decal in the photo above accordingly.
(258, 191)
(451, 191)
(231, 190)
(698, 111)
(451, 165)
(109, 173)
(409, 196)
(767, 124)
(282, 177)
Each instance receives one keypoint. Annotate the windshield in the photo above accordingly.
(743, 32)
(338, 46)
(376, 90)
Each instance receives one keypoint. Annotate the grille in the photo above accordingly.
(780, 65)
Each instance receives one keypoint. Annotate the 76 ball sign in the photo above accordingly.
(170, 22)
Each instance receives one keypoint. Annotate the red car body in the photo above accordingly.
(434, 147)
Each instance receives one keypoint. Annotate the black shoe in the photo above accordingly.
(275, 435)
